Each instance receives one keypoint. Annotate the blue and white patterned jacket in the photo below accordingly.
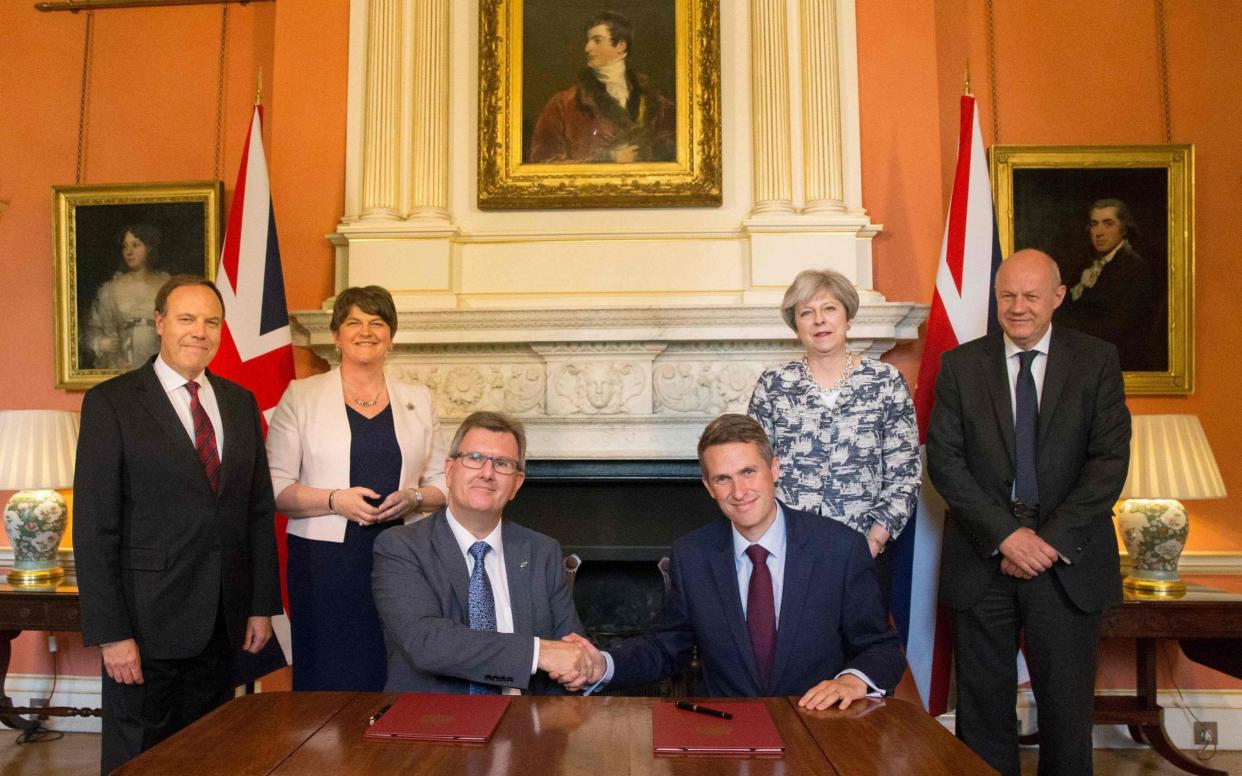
(856, 461)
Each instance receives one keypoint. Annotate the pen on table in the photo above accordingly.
(382, 710)
(687, 706)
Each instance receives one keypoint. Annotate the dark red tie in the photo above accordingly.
(761, 613)
(204, 438)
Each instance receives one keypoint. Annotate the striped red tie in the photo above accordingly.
(204, 438)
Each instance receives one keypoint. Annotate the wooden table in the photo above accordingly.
(314, 732)
(45, 608)
(1204, 615)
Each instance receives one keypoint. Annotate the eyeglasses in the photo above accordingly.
(478, 461)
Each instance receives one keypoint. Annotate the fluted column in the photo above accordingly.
(429, 150)
(381, 151)
(821, 107)
(770, 107)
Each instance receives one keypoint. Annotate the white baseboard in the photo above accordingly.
(1224, 707)
(78, 691)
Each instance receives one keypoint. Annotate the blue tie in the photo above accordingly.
(1025, 432)
(481, 606)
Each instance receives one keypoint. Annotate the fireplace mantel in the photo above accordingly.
(621, 382)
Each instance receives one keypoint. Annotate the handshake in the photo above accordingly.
(573, 661)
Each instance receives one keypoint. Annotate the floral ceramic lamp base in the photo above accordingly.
(35, 521)
(1154, 531)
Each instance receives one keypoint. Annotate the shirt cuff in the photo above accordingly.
(872, 690)
(609, 668)
(534, 661)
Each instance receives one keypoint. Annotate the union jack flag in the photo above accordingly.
(255, 347)
(963, 308)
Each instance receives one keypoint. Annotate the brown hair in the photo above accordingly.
(372, 300)
(177, 281)
(492, 421)
(732, 428)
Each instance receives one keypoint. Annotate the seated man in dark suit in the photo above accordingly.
(779, 602)
(470, 602)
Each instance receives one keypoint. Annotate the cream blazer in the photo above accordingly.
(308, 441)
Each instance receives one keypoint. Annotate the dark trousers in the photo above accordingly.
(1059, 642)
(173, 694)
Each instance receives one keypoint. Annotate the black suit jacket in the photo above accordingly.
(830, 616)
(1083, 454)
(156, 550)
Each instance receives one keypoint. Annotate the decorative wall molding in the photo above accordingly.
(622, 382)
(1221, 706)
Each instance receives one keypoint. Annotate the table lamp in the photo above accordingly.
(1169, 460)
(37, 451)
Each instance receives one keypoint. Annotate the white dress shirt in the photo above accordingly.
(1038, 368)
(179, 395)
(494, 567)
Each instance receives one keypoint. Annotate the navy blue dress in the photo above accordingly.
(338, 643)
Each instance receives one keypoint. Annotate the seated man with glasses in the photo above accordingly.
(472, 603)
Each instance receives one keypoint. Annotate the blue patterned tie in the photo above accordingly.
(1025, 431)
(481, 606)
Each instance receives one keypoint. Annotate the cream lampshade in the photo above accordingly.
(1169, 460)
(37, 451)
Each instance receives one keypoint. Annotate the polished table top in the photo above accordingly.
(317, 732)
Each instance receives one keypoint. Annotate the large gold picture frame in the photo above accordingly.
(684, 52)
(114, 245)
(1140, 297)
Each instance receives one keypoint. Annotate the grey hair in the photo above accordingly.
(810, 283)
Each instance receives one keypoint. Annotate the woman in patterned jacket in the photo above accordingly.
(842, 425)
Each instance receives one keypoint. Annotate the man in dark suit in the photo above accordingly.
(470, 602)
(1029, 444)
(1112, 295)
(779, 601)
(173, 529)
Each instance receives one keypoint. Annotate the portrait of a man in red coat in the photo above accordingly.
(612, 113)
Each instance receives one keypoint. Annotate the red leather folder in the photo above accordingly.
(440, 717)
(751, 731)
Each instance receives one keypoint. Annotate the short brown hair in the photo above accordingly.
(812, 282)
(177, 281)
(372, 300)
(732, 428)
(492, 421)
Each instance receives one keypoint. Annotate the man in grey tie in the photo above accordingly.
(1029, 443)
(470, 602)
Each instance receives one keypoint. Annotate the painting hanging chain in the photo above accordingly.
(85, 91)
(1163, 49)
(224, 47)
(991, 35)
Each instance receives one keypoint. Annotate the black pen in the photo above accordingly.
(696, 708)
(375, 717)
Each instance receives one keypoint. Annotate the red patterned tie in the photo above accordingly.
(204, 438)
(761, 613)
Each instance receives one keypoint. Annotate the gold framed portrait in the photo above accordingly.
(583, 108)
(1119, 220)
(114, 246)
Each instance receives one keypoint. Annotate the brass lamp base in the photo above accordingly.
(1154, 588)
(36, 576)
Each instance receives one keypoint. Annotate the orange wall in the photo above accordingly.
(1067, 73)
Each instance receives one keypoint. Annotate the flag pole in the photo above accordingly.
(258, 93)
(966, 82)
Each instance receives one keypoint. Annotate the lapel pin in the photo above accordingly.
(522, 565)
